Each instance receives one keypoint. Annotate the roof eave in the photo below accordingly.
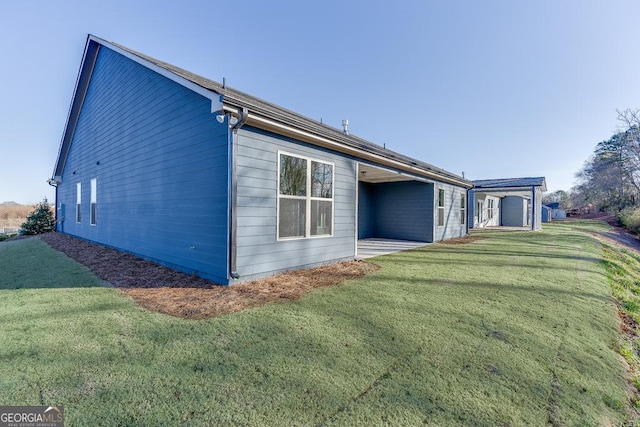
(82, 83)
(270, 122)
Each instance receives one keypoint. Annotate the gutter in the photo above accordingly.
(309, 136)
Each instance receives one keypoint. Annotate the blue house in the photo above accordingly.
(546, 213)
(192, 174)
(507, 202)
(556, 211)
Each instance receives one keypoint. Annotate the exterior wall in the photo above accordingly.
(546, 214)
(558, 214)
(514, 212)
(455, 220)
(403, 210)
(365, 210)
(259, 252)
(160, 160)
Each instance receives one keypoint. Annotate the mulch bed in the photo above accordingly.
(178, 294)
(121, 269)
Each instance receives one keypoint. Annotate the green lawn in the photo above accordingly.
(516, 329)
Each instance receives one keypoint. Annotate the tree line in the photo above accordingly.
(609, 181)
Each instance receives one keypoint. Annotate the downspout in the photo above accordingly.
(234, 126)
(52, 182)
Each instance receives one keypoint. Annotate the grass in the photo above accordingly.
(623, 271)
(515, 329)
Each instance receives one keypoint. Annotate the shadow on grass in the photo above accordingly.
(496, 286)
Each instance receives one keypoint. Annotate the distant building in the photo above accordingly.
(556, 212)
(546, 213)
(508, 202)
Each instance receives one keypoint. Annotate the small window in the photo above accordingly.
(463, 208)
(440, 207)
(94, 201)
(78, 201)
(305, 197)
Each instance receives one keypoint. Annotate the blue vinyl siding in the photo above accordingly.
(403, 210)
(452, 227)
(259, 253)
(471, 209)
(160, 159)
(365, 211)
(514, 211)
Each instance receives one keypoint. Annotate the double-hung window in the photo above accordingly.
(305, 197)
(463, 208)
(440, 207)
(490, 208)
(78, 201)
(94, 201)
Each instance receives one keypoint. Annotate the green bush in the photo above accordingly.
(630, 218)
(39, 221)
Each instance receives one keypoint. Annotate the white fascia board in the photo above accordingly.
(267, 124)
(502, 189)
(216, 101)
(403, 174)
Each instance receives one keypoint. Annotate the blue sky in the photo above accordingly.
(492, 88)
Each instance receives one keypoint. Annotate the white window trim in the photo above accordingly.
(463, 209)
(438, 207)
(93, 219)
(308, 199)
(78, 202)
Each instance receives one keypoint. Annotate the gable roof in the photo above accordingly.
(511, 183)
(261, 114)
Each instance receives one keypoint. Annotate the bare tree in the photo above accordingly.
(630, 145)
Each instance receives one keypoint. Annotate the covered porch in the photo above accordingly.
(395, 211)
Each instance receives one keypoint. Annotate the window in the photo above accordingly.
(440, 207)
(94, 188)
(305, 197)
(78, 201)
(490, 208)
(463, 210)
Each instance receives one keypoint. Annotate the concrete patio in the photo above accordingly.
(372, 247)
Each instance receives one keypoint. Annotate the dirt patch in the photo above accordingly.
(618, 237)
(462, 240)
(628, 325)
(178, 294)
